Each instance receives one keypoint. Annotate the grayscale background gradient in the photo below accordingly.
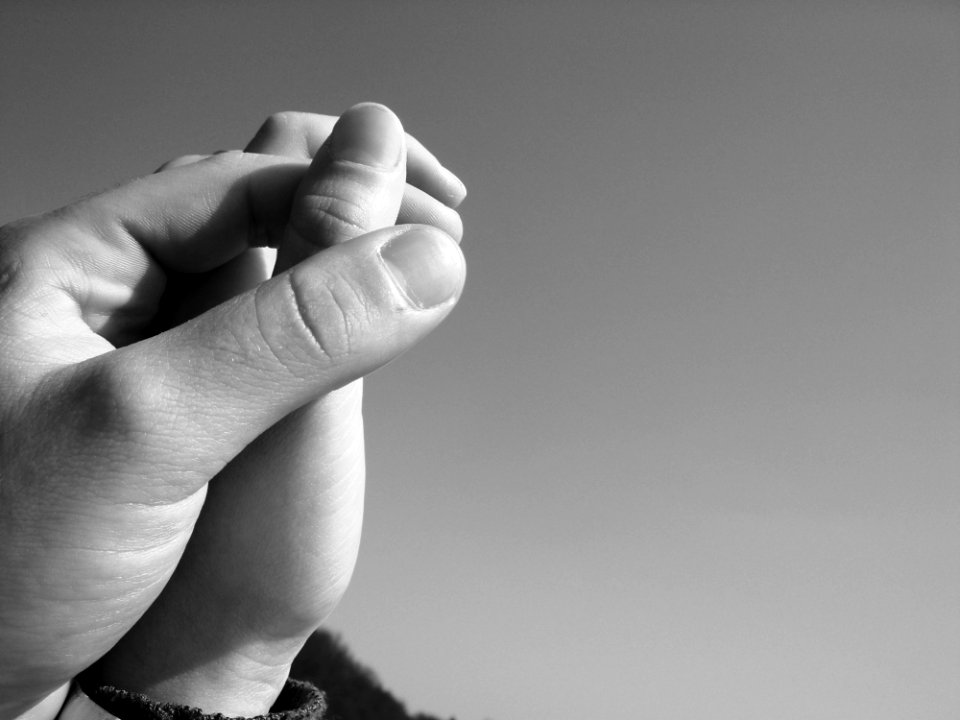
(690, 447)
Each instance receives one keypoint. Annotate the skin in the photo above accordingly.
(182, 476)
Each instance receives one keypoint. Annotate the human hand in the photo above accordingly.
(114, 424)
(277, 540)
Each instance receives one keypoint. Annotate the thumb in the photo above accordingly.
(185, 402)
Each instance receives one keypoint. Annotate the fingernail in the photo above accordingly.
(368, 134)
(457, 190)
(426, 265)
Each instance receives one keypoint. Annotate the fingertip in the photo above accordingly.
(456, 190)
(425, 172)
(426, 264)
(455, 229)
(369, 134)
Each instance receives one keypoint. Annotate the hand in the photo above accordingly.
(115, 418)
(277, 540)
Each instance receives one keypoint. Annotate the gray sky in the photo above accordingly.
(690, 446)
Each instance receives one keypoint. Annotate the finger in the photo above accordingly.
(354, 184)
(190, 218)
(426, 173)
(419, 208)
(204, 213)
(171, 411)
(301, 135)
(293, 135)
(245, 271)
(102, 264)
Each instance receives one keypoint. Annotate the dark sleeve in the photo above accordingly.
(350, 692)
(353, 691)
(297, 701)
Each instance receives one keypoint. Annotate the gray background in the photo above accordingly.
(690, 446)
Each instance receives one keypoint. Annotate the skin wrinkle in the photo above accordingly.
(120, 246)
(276, 351)
(110, 232)
(321, 338)
(327, 340)
(354, 309)
(332, 219)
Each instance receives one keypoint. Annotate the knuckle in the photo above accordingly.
(333, 314)
(276, 122)
(282, 123)
(227, 159)
(27, 246)
(116, 400)
(326, 219)
(7, 233)
(179, 161)
(13, 234)
(10, 259)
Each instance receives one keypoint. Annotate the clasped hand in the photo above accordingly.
(181, 443)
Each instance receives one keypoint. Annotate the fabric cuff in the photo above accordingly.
(297, 701)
